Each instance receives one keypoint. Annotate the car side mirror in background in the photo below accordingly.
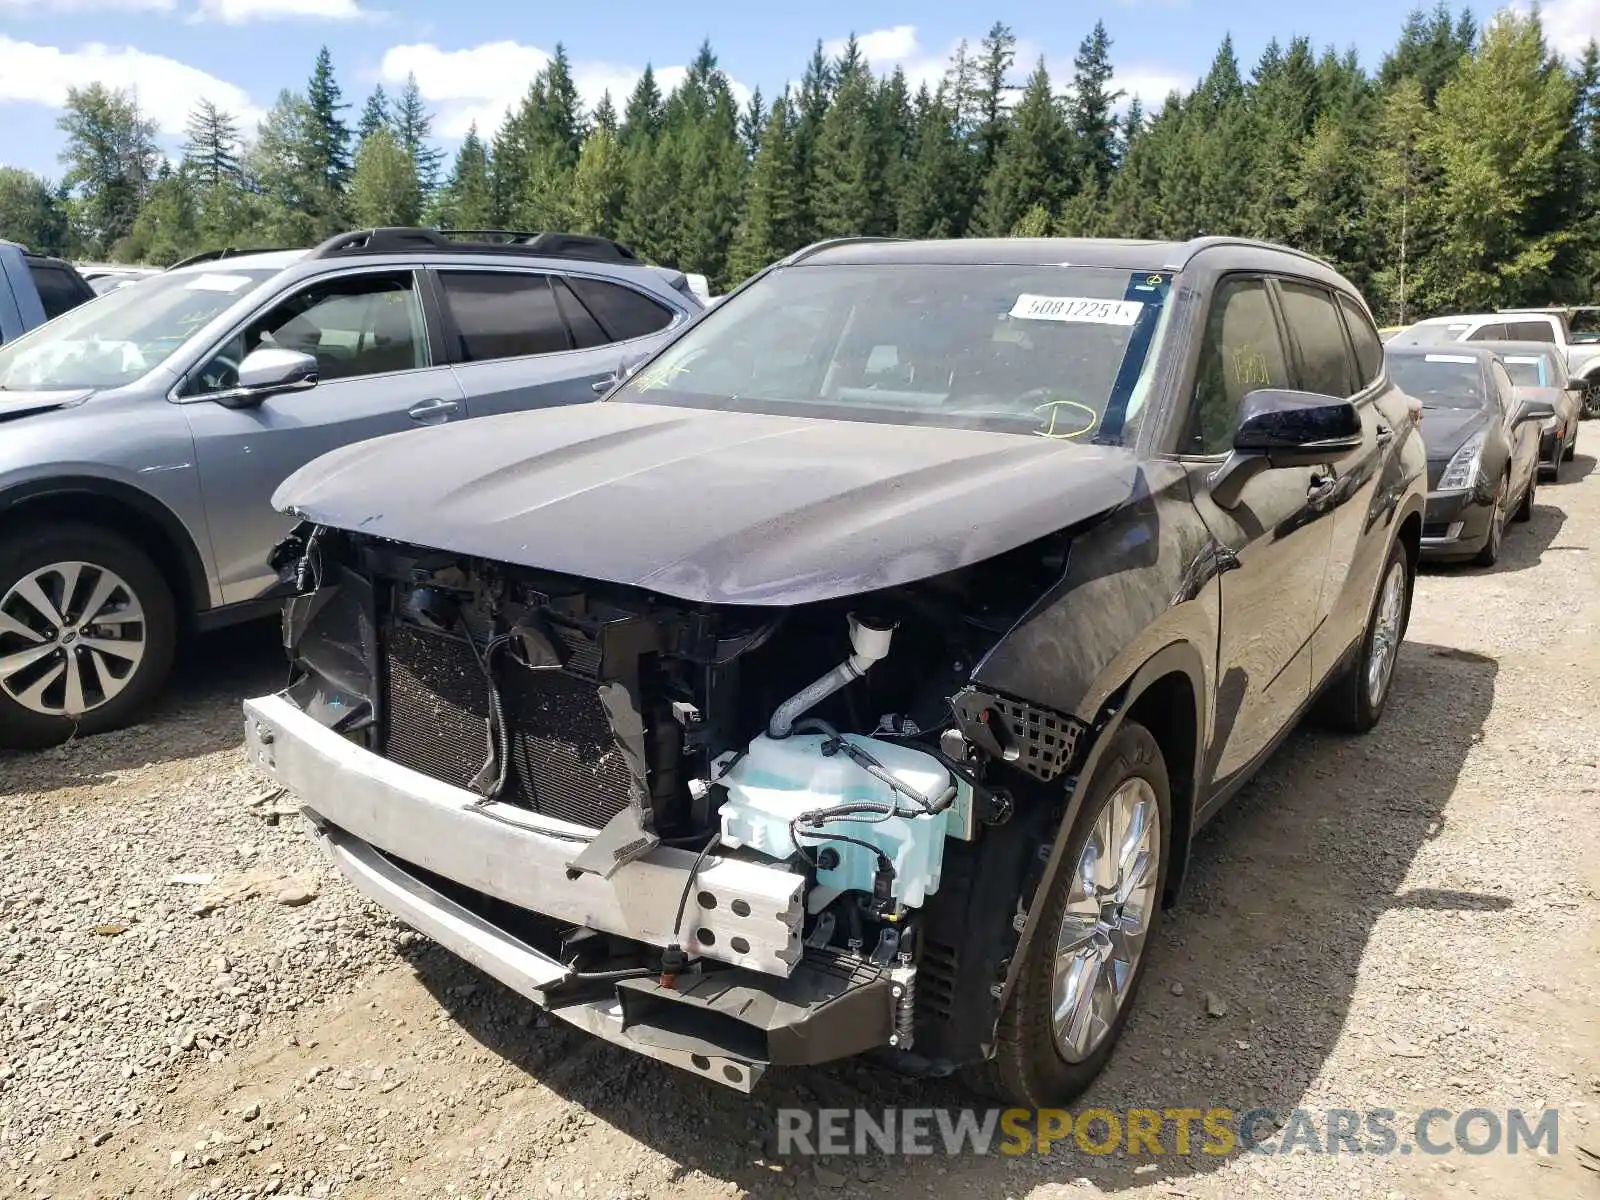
(1534, 410)
(1279, 428)
(269, 372)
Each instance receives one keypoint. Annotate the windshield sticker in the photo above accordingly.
(1079, 309)
(217, 283)
(1065, 418)
(1451, 358)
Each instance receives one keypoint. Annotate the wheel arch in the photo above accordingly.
(125, 510)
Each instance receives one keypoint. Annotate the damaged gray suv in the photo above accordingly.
(853, 677)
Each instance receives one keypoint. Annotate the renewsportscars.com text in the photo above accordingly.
(1162, 1131)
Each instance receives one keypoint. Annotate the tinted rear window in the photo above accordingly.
(622, 312)
(503, 314)
(58, 289)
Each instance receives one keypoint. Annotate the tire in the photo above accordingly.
(1524, 512)
(1028, 1067)
(119, 675)
(1490, 554)
(1351, 703)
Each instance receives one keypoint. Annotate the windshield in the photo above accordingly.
(1439, 380)
(1526, 370)
(1059, 352)
(1433, 333)
(116, 338)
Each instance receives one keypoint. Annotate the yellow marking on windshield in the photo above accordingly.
(1052, 417)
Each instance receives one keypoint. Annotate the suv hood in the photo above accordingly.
(20, 404)
(712, 506)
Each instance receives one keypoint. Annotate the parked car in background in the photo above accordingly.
(147, 431)
(1086, 526)
(1482, 443)
(35, 288)
(1553, 326)
(1538, 369)
(106, 277)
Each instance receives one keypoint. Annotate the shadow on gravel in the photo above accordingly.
(1283, 893)
(197, 714)
(1579, 469)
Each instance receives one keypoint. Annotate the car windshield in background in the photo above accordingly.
(1059, 352)
(1432, 334)
(117, 337)
(1526, 370)
(1439, 380)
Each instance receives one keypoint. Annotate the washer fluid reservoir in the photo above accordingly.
(777, 780)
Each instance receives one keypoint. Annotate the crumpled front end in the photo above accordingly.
(673, 825)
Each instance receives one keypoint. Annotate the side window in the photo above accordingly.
(1530, 331)
(1240, 352)
(353, 326)
(586, 331)
(1502, 387)
(622, 312)
(58, 291)
(503, 314)
(1488, 333)
(1314, 324)
(1369, 346)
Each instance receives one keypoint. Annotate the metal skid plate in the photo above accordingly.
(743, 913)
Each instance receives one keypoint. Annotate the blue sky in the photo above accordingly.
(473, 60)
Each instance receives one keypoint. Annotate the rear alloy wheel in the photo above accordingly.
(86, 634)
(1355, 700)
(1082, 971)
(1524, 512)
(1490, 554)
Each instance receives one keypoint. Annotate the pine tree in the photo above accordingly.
(327, 136)
(934, 203)
(211, 149)
(768, 230)
(999, 54)
(111, 160)
(598, 184)
(1032, 164)
(383, 186)
(31, 212)
(605, 114)
(467, 200)
(413, 128)
(374, 114)
(1502, 120)
(815, 97)
(1094, 127)
(641, 120)
(849, 157)
(751, 122)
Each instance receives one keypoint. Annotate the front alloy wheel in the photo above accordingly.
(1101, 937)
(1388, 626)
(87, 632)
(1081, 969)
(72, 636)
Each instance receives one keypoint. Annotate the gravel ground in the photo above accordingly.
(190, 1005)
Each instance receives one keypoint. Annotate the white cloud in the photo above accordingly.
(482, 83)
(67, 7)
(239, 12)
(1568, 24)
(166, 89)
(898, 46)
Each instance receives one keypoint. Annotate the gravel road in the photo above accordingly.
(190, 1005)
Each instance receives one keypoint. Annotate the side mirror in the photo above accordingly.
(1534, 410)
(268, 372)
(1279, 428)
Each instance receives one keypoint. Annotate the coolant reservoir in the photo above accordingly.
(778, 780)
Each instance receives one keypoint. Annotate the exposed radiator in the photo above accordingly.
(564, 759)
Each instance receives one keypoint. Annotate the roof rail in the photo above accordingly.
(229, 252)
(409, 239)
(806, 252)
(1208, 241)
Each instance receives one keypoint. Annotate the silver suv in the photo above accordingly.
(148, 429)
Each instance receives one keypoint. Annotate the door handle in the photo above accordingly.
(434, 410)
(1322, 488)
(602, 386)
(1385, 435)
